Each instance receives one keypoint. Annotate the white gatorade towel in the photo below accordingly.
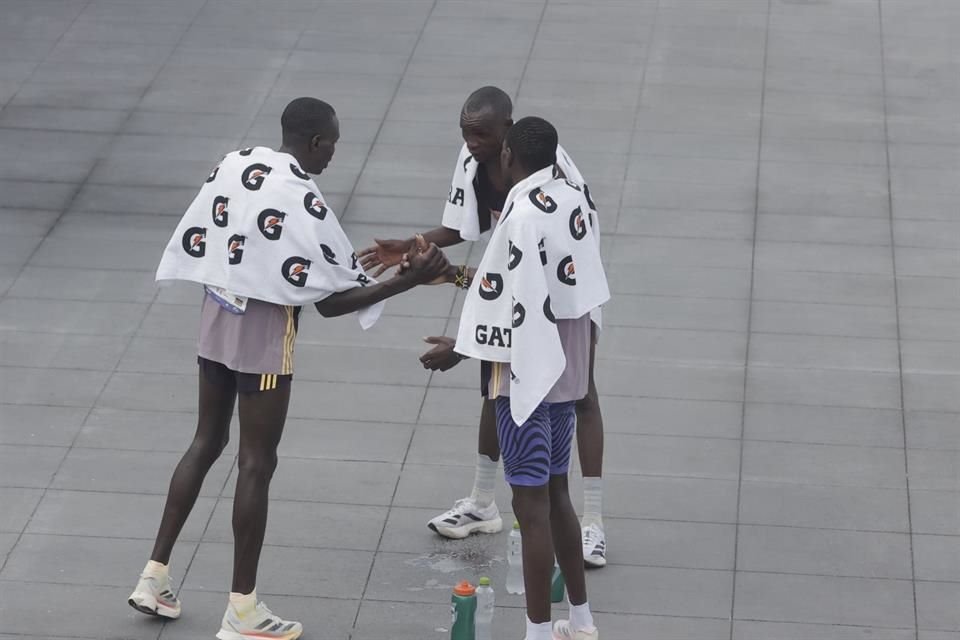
(260, 228)
(542, 264)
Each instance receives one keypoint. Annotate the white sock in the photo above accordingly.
(592, 501)
(485, 480)
(157, 569)
(243, 603)
(539, 631)
(580, 617)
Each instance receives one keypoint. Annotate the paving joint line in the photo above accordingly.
(346, 210)
(896, 304)
(753, 274)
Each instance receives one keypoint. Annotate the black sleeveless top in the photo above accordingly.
(488, 198)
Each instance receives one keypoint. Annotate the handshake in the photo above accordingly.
(427, 261)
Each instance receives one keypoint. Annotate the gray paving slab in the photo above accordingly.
(755, 630)
(855, 508)
(823, 425)
(820, 552)
(827, 600)
(29, 466)
(778, 184)
(79, 560)
(931, 430)
(19, 504)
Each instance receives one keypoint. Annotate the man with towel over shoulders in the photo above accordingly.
(262, 240)
(474, 203)
(527, 314)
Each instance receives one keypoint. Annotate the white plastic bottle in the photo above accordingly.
(485, 609)
(515, 562)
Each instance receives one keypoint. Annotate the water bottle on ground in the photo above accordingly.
(485, 609)
(515, 562)
(464, 609)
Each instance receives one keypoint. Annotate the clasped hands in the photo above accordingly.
(402, 254)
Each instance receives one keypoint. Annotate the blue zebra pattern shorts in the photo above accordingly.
(541, 447)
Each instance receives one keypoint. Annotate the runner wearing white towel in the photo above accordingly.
(262, 241)
(474, 203)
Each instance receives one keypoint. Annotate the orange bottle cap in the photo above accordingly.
(464, 589)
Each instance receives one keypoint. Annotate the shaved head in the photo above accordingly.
(484, 121)
(310, 133)
(305, 118)
(492, 99)
(533, 142)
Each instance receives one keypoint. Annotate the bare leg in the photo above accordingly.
(590, 426)
(488, 445)
(213, 432)
(566, 539)
(262, 416)
(532, 508)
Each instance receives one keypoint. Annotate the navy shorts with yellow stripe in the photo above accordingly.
(220, 375)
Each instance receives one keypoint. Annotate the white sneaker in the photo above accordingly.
(258, 624)
(594, 545)
(467, 517)
(563, 631)
(155, 597)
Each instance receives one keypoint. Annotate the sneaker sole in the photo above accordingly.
(225, 634)
(594, 562)
(148, 605)
(461, 532)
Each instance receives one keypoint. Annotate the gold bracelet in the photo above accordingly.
(462, 280)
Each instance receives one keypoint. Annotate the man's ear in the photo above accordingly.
(315, 142)
(508, 123)
(506, 158)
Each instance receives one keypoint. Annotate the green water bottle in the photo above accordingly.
(464, 608)
(558, 587)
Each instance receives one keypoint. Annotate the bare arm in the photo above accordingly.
(443, 237)
(352, 300)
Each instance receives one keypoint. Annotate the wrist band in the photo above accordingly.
(462, 279)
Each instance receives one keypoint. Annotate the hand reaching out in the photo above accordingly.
(442, 357)
(385, 254)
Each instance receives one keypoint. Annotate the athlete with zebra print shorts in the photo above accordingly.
(541, 447)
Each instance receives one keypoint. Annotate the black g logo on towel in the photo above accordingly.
(515, 257)
(254, 175)
(270, 222)
(491, 286)
(542, 201)
(297, 172)
(519, 314)
(246, 152)
(586, 192)
(566, 271)
(543, 251)
(578, 226)
(295, 270)
(548, 311)
(213, 175)
(328, 254)
(235, 248)
(220, 210)
(195, 241)
(314, 206)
